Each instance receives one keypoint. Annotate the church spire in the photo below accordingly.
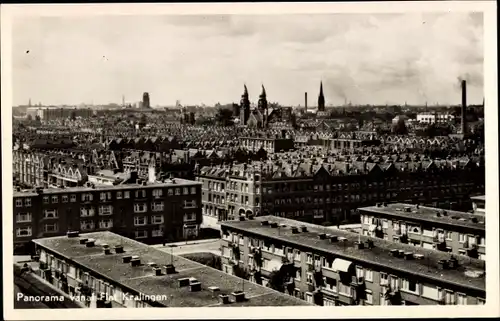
(321, 98)
(245, 92)
(263, 94)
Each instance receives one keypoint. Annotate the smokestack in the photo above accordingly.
(305, 98)
(464, 107)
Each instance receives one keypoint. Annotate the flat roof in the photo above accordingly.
(379, 255)
(141, 279)
(428, 214)
(179, 182)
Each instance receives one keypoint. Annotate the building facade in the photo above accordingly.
(105, 270)
(269, 144)
(334, 267)
(329, 192)
(147, 212)
(432, 228)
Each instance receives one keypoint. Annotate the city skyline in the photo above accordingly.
(360, 58)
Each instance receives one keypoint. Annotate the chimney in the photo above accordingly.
(126, 258)
(305, 100)
(119, 249)
(83, 241)
(464, 107)
(90, 243)
(72, 234)
(135, 261)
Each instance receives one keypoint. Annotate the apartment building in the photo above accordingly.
(269, 144)
(325, 190)
(435, 118)
(146, 211)
(479, 204)
(431, 228)
(230, 192)
(335, 267)
(111, 271)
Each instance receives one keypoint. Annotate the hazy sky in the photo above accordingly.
(382, 58)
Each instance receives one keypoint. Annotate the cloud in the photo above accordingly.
(360, 57)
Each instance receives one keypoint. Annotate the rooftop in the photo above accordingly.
(141, 279)
(379, 255)
(429, 214)
(79, 189)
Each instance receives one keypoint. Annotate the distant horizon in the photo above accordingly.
(362, 58)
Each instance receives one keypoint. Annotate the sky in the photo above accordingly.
(360, 58)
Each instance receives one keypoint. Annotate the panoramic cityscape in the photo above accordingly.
(249, 162)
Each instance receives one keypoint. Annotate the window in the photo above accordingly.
(119, 195)
(157, 219)
(45, 200)
(19, 202)
(385, 224)
(344, 289)
(309, 277)
(65, 198)
(140, 193)
(185, 191)
(107, 223)
(103, 196)
(482, 241)
(23, 231)
(141, 234)
(50, 228)
(309, 258)
(140, 207)
(368, 275)
(157, 193)
(193, 190)
(297, 255)
(189, 203)
(410, 286)
(105, 210)
(72, 198)
(309, 297)
(328, 303)
(449, 297)
(140, 220)
(157, 206)
(126, 194)
(23, 217)
(369, 297)
(448, 235)
(87, 225)
(157, 232)
(461, 299)
(330, 284)
(50, 213)
(481, 301)
(170, 192)
(189, 217)
(359, 272)
(462, 238)
(87, 197)
(177, 191)
(384, 279)
(86, 211)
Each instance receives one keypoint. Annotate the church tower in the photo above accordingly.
(321, 98)
(262, 105)
(245, 106)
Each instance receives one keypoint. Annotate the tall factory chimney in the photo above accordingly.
(305, 98)
(464, 107)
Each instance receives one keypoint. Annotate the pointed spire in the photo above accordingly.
(321, 88)
(263, 91)
(246, 90)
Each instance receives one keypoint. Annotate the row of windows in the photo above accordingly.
(409, 228)
(364, 274)
(107, 196)
(27, 231)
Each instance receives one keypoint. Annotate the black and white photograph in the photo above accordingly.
(251, 159)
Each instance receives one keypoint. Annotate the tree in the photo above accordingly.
(224, 116)
(399, 128)
(73, 115)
